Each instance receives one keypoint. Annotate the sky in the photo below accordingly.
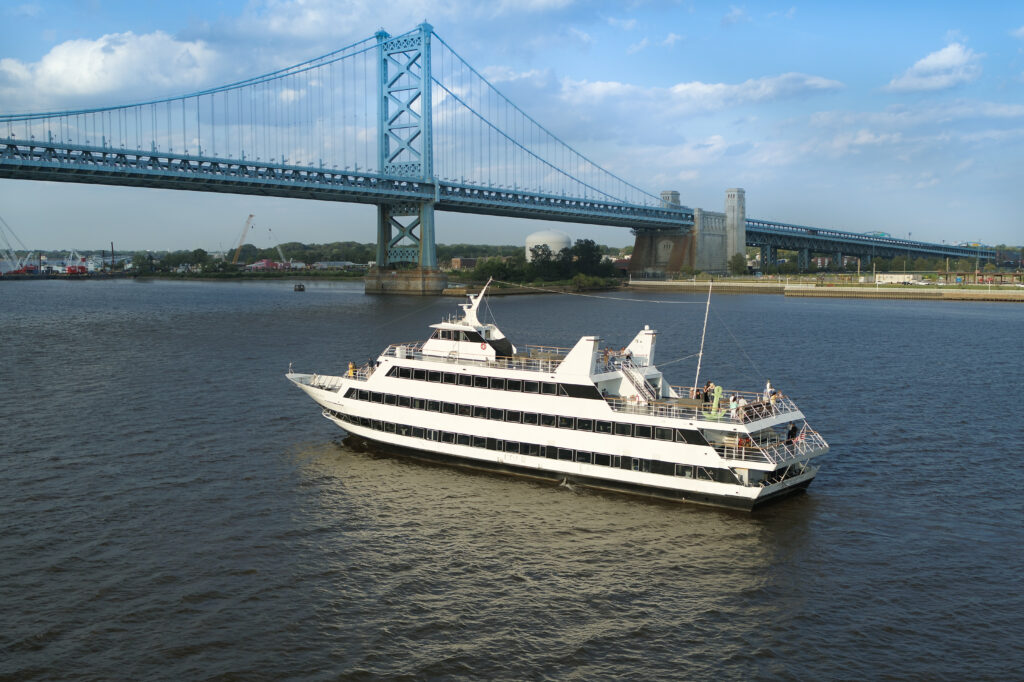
(905, 118)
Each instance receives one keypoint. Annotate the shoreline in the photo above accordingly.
(928, 293)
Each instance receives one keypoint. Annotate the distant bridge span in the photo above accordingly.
(400, 122)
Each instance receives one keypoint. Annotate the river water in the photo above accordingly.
(171, 507)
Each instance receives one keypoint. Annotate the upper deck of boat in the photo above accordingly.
(546, 359)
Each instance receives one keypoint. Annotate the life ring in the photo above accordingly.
(483, 346)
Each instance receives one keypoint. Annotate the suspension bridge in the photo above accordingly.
(402, 122)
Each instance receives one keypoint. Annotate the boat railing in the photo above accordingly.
(807, 444)
(751, 412)
(754, 409)
(536, 358)
(326, 382)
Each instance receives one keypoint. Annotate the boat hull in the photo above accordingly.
(359, 442)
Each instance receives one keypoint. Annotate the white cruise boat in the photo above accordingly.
(599, 418)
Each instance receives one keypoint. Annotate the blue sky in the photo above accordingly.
(902, 117)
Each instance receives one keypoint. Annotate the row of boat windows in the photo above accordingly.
(496, 383)
(455, 335)
(652, 466)
(691, 436)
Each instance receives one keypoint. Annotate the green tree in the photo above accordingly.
(738, 264)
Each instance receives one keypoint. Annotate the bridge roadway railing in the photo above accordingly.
(34, 160)
(826, 239)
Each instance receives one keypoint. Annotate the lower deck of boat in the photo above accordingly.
(360, 443)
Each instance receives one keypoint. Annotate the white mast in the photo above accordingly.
(700, 356)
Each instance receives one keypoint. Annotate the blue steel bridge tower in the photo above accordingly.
(405, 228)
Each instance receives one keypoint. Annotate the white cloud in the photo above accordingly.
(950, 66)
(624, 24)
(671, 39)
(852, 142)
(115, 65)
(29, 10)
(637, 47)
(698, 97)
(927, 180)
(1019, 33)
(735, 15)
(966, 164)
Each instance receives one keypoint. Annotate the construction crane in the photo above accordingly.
(245, 231)
(279, 251)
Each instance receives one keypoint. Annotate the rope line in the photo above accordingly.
(606, 298)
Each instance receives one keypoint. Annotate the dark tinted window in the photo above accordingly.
(548, 389)
(449, 408)
(404, 401)
(480, 382)
(565, 454)
(417, 432)
(419, 374)
(448, 378)
(433, 406)
(548, 420)
(603, 427)
(603, 460)
(684, 470)
(405, 372)
(512, 416)
(498, 384)
(530, 418)
(434, 377)
(511, 446)
(479, 412)
(531, 387)
(465, 380)
(583, 457)
(662, 434)
(447, 437)
(497, 414)
(466, 410)
(584, 424)
(514, 385)
(623, 429)
(463, 439)
(641, 431)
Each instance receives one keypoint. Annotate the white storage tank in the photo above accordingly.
(556, 241)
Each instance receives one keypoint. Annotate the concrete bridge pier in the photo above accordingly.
(406, 261)
(769, 254)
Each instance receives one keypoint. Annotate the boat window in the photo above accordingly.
(390, 399)
(548, 420)
(419, 374)
(705, 473)
(514, 385)
(562, 391)
(480, 382)
(579, 391)
(511, 446)
(433, 406)
(434, 377)
(565, 454)
(549, 451)
(447, 437)
(531, 387)
(479, 442)
(405, 372)
(583, 457)
(584, 424)
(625, 462)
(548, 389)
(419, 403)
(691, 436)
(465, 380)
(566, 422)
(436, 334)
(377, 425)
(602, 460)
(449, 408)
(623, 429)
(603, 427)
(512, 416)
(393, 372)
(432, 434)
(684, 470)
(530, 418)
(659, 467)
(662, 434)
(404, 401)
(448, 378)
(479, 412)
(530, 449)
(351, 393)
(645, 465)
(493, 444)
(498, 384)
(497, 414)
(641, 431)
(376, 397)
(465, 410)
(474, 337)
(463, 439)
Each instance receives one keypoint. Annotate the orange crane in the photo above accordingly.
(245, 231)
